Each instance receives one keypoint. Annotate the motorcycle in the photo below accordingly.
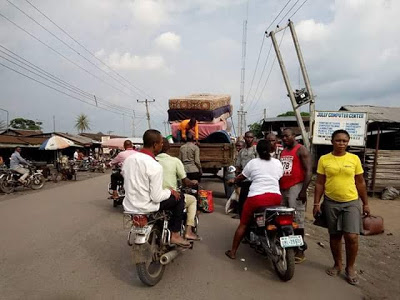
(271, 232)
(149, 238)
(9, 180)
(120, 188)
(97, 165)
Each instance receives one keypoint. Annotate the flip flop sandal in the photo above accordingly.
(332, 272)
(228, 253)
(299, 260)
(353, 280)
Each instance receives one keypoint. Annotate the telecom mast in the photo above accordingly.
(241, 112)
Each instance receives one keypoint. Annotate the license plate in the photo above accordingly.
(291, 241)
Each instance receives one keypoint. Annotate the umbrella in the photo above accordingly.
(118, 143)
(55, 143)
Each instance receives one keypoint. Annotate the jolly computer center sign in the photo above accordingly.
(326, 122)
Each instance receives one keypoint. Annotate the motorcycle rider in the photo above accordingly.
(173, 170)
(143, 186)
(16, 161)
(119, 160)
(296, 161)
(264, 173)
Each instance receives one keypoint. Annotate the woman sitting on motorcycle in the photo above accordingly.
(264, 172)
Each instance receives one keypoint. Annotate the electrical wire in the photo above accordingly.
(262, 44)
(63, 56)
(88, 51)
(269, 74)
(59, 82)
(298, 9)
(288, 11)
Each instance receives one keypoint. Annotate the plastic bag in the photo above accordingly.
(390, 193)
(206, 201)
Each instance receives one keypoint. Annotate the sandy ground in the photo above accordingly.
(68, 242)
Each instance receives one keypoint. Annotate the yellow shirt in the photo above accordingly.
(183, 127)
(340, 171)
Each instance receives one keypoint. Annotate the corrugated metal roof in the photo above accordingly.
(376, 113)
(285, 119)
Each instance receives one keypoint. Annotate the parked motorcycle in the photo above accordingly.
(149, 238)
(97, 165)
(120, 188)
(271, 233)
(9, 180)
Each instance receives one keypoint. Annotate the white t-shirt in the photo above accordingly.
(264, 174)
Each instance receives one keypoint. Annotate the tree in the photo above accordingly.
(291, 113)
(25, 124)
(256, 129)
(82, 123)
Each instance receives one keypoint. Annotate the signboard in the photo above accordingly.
(326, 122)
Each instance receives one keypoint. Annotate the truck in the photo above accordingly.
(213, 158)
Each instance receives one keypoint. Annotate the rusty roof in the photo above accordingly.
(376, 113)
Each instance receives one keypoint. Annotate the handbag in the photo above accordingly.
(372, 225)
(320, 218)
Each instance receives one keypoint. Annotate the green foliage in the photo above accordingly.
(256, 129)
(291, 113)
(25, 124)
(82, 123)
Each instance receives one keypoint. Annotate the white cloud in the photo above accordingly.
(149, 12)
(169, 41)
(128, 61)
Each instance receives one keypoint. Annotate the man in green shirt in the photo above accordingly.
(173, 171)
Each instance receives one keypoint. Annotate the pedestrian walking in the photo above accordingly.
(340, 180)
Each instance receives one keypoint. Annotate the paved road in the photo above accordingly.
(68, 243)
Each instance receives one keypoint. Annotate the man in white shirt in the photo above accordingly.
(143, 186)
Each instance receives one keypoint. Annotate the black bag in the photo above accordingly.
(320, 218)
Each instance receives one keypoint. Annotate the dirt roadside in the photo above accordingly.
(378, 261)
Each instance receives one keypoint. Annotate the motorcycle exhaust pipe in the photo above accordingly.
(169, 257)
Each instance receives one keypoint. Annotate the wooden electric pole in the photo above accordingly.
(289, 90)
(146, 102)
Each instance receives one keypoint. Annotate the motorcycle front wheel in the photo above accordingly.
(151, 272)
(284, 267)
(37, 182)
(6, 186)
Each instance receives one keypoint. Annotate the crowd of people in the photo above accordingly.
(268, 174)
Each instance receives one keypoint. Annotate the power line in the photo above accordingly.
(262, 44)
(88, 51)
(262, 73)
(63, 56)
(59, 39)
(298, 9)
(288, 11)
(60, 91)
(59, 81)
(269, 74)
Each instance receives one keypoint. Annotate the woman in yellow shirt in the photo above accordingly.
(340, 179)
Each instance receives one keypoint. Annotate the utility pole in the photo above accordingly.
(306, 80)
(146, 102)
(289, 89)
(241, 112)
(54, 123)
(6, 111)
(265, 114)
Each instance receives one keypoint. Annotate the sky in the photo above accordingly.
(158, 49)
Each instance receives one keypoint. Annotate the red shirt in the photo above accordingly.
(293, 172)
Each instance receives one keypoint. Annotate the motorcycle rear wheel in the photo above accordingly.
(151, 272)
(37, 182)
(284, 267)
